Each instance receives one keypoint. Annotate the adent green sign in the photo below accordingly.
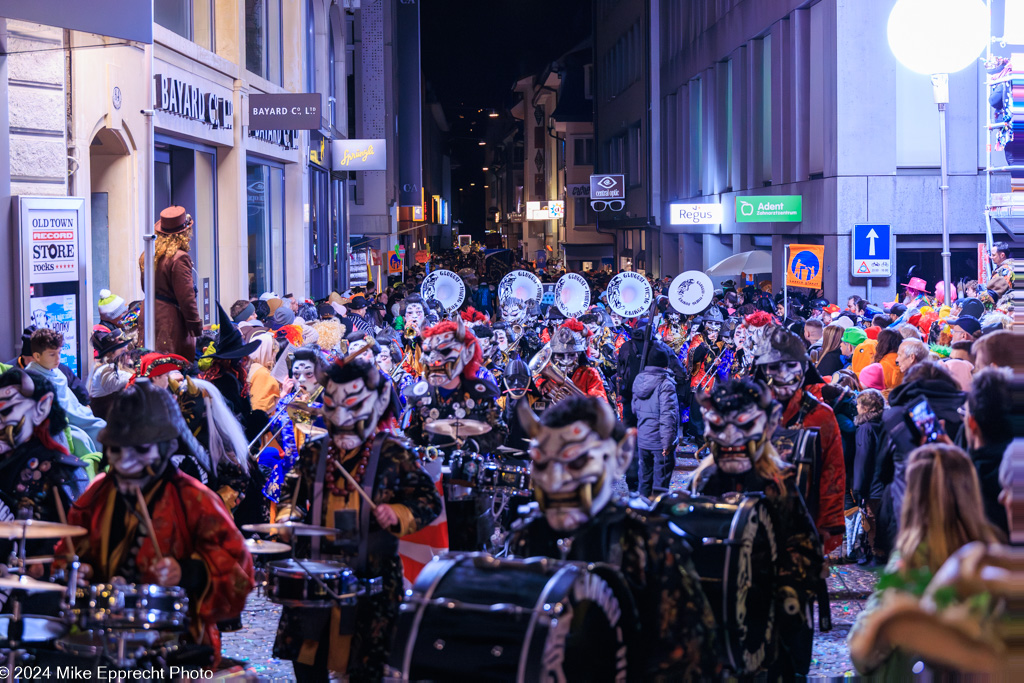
(773, 209)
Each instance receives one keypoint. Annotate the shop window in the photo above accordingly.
(265, 228)
(583, 151)
(192, 19)
(263, 38)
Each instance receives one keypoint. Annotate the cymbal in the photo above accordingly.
(27, 583)
(456, 427)
(34, 529)
(297, 528)
(310, 430)
(258, 546)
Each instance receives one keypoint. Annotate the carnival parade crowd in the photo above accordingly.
(458, 477)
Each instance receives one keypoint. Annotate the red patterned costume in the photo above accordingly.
(191, 524)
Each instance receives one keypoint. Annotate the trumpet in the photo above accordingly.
(541, 367)
(409, 332)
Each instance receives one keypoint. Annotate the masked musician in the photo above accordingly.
(520, 328)
(672, 331)
(579, 450)
(788, 371)
(358, 409)
(709, 360)
(193, 542)
(414, 312)
(490, 354)
(600, 347)
(35, 465)
(740, 418)
(454, 385)
(569, 355)
(389, 360)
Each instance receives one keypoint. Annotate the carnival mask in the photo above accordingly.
(137, 466)
(363, 343)
(673, 318)
(352, 408)
(567, 362)
(304, 374)
(784, 378)
(513, 310)
(445, 355)
(20, 414)
(712, 328)
(485, 344)
(616, 319)
(384, 360)
(502, 339)
(414, 315)
(739, 419)
(574, 466)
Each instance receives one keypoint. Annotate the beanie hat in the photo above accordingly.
(872, 332)
(281, 317)
(854, 336)
(111, 305)
(873, 377)
(657, 358)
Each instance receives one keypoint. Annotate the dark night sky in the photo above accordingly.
(473, 51)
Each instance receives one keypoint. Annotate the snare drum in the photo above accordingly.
(291, 584)
(474, 617)
(34, 628)
(146, 607)
(465, 468)
(735, 555)
(502, 477)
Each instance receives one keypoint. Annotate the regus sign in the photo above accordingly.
(695, 214)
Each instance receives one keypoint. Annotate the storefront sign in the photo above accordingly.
(804, 265)
(608, 186)
(575, 191)
(695, 214)
(772, 209)
(359, 155)
(51, 268)
(188, 101)
(286, 139)
(284, 111)
(545, 211)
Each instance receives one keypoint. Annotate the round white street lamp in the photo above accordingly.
(937, 38)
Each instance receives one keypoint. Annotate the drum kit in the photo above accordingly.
(471, 616)
(471, 474)
(119, 624)
(293, 582)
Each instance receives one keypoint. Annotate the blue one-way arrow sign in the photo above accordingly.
(872, 243)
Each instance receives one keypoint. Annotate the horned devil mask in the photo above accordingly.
(354, 399)
(739, 419)
(20, 410)
(575, 461)
(448, 348)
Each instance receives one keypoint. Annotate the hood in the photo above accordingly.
(648, 381)
(942, 397)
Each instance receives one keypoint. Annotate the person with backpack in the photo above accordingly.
(656, 407)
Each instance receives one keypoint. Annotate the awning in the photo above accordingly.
(588, 252)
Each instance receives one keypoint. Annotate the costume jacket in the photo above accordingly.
(676, 623)
(805, 411)
(192, 525)
(176, 311)
(400, 482)
(473, 399)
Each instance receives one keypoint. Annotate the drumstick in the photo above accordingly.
(140, 501)
(359, 489)
(63, 519)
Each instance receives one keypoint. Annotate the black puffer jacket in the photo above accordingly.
(944, 397)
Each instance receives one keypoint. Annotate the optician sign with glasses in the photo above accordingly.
(607, 192)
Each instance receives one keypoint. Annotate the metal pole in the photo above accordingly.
(944, 190)
(785, 290)
(148, 237)
(869, 289)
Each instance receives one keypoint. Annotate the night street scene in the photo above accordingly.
(526, 341)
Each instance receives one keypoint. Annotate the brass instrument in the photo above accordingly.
(302, 415)
(541, 367)
(409, 332)
(712, 372)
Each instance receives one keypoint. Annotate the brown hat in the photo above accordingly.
(142, 414)
(173, 219)
(274, 303)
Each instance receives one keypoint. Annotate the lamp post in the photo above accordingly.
(937, 38)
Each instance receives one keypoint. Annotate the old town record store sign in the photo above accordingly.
(192, 102)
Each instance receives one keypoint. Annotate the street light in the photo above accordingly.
(937, 38)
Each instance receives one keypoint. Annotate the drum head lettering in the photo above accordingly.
(690, 292)
(572, 295)
(630, 294)
(446, 287)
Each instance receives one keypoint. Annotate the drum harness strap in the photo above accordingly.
(369, 476)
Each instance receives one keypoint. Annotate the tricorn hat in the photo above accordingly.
(141, 414)
(173, 219)
(108, 341)
(230, 345)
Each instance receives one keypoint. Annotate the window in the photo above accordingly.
(265, 203)
(263, 38)
(633, 156)
(332, 78)
(582, 213)
(192, 19)
(310, 46)
(696, 138)
(588, 81)
(766, 110)
(730, 133)
(583, 151)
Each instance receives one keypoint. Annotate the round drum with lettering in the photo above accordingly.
(474, 617)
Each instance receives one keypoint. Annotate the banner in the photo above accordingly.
(804, 265)
(394, 263)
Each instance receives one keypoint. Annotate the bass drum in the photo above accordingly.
(472, 617)
(802, 449)
(735, 554)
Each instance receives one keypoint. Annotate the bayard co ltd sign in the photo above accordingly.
(191, 102)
